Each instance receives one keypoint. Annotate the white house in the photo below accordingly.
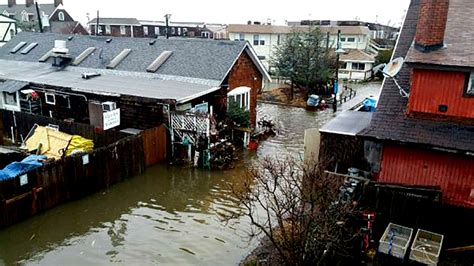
(356, 65)
(7, 29)
(265, 38)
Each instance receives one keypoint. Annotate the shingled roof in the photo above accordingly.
(116, 21)
(390, 123)
(16, 10)
(192, 58)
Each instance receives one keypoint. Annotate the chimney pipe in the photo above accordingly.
(431, 25)
(11, 3)
(58, 2)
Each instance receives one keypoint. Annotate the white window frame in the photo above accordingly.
(108, 29)
(353, 39)
(205, 34)
(8, 105)
(53, 102)
(241, 93)
(145, 30)
(123, 31)
(179, 31)
(61, 16)
(157, 31)
(358, 63)
(24, 16)
(470, 85)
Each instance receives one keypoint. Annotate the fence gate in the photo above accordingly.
(189, 126)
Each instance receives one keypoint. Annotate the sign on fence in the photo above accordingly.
(111, 119)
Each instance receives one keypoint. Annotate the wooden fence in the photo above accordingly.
(70, 178)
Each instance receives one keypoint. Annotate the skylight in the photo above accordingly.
(30, 47)
(119, 58)
(80, 58)
(18, 47)
(160, 60)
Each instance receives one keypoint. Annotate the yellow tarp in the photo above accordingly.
(54, 144)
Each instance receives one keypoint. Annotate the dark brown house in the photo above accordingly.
(145, 78)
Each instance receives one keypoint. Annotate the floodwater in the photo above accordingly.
(166, 216)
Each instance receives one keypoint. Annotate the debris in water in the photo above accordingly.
(93, 243)
(188, 251)
(220, 240)
(32, 237)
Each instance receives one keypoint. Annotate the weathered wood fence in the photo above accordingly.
(116, 156)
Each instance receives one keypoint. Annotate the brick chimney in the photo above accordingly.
(58, 2)
(29, 3)
(431, 25)
(11, 3)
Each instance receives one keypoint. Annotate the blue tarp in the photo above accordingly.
(369, 104)
(19, 168)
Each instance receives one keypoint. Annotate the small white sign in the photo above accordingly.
(85, 159)
(111, 119)
(24, 180)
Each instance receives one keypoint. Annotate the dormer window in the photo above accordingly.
(61, 16)
(470, 85)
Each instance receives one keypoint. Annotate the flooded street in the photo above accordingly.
(167, 216)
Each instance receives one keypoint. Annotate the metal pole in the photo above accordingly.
(167, 16)
(97, 25)
(40, 23)
(336, 82)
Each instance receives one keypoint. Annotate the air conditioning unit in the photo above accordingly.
(109, 106)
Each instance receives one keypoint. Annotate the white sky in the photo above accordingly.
(239, 11)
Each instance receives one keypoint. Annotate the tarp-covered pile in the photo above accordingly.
(19, 168)
(56, 144)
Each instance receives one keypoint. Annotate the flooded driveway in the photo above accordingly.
(167, 216)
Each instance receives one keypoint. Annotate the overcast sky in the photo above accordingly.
(239, 11)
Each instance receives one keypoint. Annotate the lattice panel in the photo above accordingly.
(189, 125)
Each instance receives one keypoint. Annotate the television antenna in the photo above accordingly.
(391, 70)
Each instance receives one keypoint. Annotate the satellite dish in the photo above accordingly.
(392, 68)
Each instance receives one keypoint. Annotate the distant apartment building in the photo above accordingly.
(266, 38)
(132, 27)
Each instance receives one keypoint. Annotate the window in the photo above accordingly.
(278, 39)
(107, 29)
(358, 66)
(241, 95)
(50, 98)
(173, 30)
(205, 34)
(10, 98)
(344, 65)
(256, 39)
(122, 30)
(239, 37)
(343, 39)
(185, 30)
(24, 16)
(179, 31)
(351, 39)
(157, 31)
(470, 85)
(145, 30)
(61, 16)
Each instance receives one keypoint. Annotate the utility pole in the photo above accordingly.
(167, 17)
(40, 23)
(97, 25)
(336, 81)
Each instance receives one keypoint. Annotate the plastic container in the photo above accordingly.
(426, 247)
(395, 240)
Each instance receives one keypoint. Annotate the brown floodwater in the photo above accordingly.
(168, 215)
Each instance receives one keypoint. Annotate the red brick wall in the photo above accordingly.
(453, 173)
(245, 73)
(432, 22)
(432, 88)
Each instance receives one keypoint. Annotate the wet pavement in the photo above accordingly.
(168, 215)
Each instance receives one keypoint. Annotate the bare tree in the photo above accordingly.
(298, 209)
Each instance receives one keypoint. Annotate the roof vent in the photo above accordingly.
(119, 58)
(108, 40)
(60, 47)
(78, 60)
(30, 47)
(160, 60)
(70, 38)
(17, 47)
(152, 42)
